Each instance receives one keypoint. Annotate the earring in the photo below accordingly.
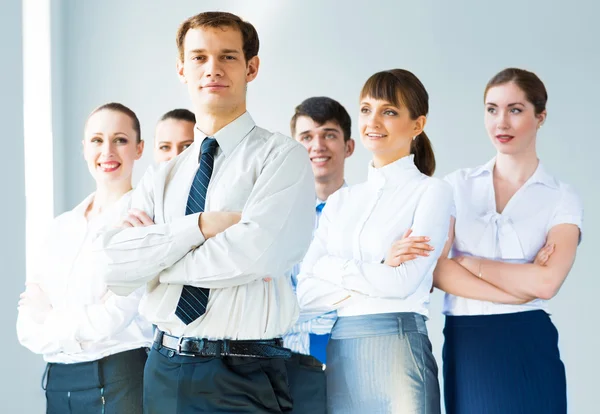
(415, 137)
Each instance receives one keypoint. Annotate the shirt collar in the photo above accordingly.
(82, 207)
(230, 135)
(395, 173)
(319, 201)
(540, 175)
(488, 167)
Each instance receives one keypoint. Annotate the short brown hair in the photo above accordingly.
(220, 19)
(399, 86)
(532, 86)
(322, 109)
(118, 107)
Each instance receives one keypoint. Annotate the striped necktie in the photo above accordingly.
(193, 300)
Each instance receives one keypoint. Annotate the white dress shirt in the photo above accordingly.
(342, 269)
(516, 235)
(268, 178)
(86, 322)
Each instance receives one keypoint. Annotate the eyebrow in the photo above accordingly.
(308, 131)
(116, 133)
(230, 51)
(389, 104)
(510, 104)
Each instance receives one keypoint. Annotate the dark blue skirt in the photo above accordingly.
(503, 364)
(110, 385)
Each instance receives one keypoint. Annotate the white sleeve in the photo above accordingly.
(431, 219)
(272, 235)
(127, 258)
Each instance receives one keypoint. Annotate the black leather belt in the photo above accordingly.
(190, 346)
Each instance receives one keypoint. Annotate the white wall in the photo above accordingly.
(125, 51)
(20, 371)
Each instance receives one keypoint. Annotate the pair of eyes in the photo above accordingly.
(493, 110)
(388, 112)
(224, 57)
(98, 140)
(309, 137)
(168, 147)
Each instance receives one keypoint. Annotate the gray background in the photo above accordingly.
(125, 51)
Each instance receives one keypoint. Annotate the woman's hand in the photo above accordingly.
(35, 300)
(407, 248)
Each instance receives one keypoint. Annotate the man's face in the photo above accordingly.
(326, 147)
(215, 70)
(171, 138)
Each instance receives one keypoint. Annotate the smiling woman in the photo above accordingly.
(111, 144)
(91, 339)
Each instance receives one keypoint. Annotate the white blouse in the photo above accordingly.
(516, 235)
(81, 326)
(343, 268)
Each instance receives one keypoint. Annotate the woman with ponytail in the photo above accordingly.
(373, 256)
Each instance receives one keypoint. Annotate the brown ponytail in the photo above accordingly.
(401, 86)
(423, 152)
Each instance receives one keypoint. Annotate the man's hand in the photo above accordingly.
(407, 248)
(212, 223)
(136, 218)
(35, 301)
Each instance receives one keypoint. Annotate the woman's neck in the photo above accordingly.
(381, 160)
(106, 196)
(516, 168)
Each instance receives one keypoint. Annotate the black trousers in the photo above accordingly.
(176, 384)
(308, 384)
(111, 385)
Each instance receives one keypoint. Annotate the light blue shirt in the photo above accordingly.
(297, 339)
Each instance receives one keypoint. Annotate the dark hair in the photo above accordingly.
(117, 107)
(179, 115)
(220, 19)
(322, 109)
(399, 86)
(528, 82)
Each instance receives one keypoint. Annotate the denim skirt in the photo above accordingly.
(381, 363)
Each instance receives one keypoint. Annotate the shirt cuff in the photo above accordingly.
(57, 328)
(186, 234)
(331, 269)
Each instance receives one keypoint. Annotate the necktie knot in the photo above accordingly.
(320, 207)
(209, 145)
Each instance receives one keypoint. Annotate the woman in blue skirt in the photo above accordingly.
(514, 240)
(371, 261)
(93, 340)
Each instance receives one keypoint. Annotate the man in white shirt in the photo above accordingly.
(323, 126)
(217, 346)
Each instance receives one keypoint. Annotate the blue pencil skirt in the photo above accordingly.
(503, 364)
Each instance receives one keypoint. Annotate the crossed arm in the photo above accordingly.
(510, 283)
(238, 252)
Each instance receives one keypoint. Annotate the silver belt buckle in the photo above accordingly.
(179, 351)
